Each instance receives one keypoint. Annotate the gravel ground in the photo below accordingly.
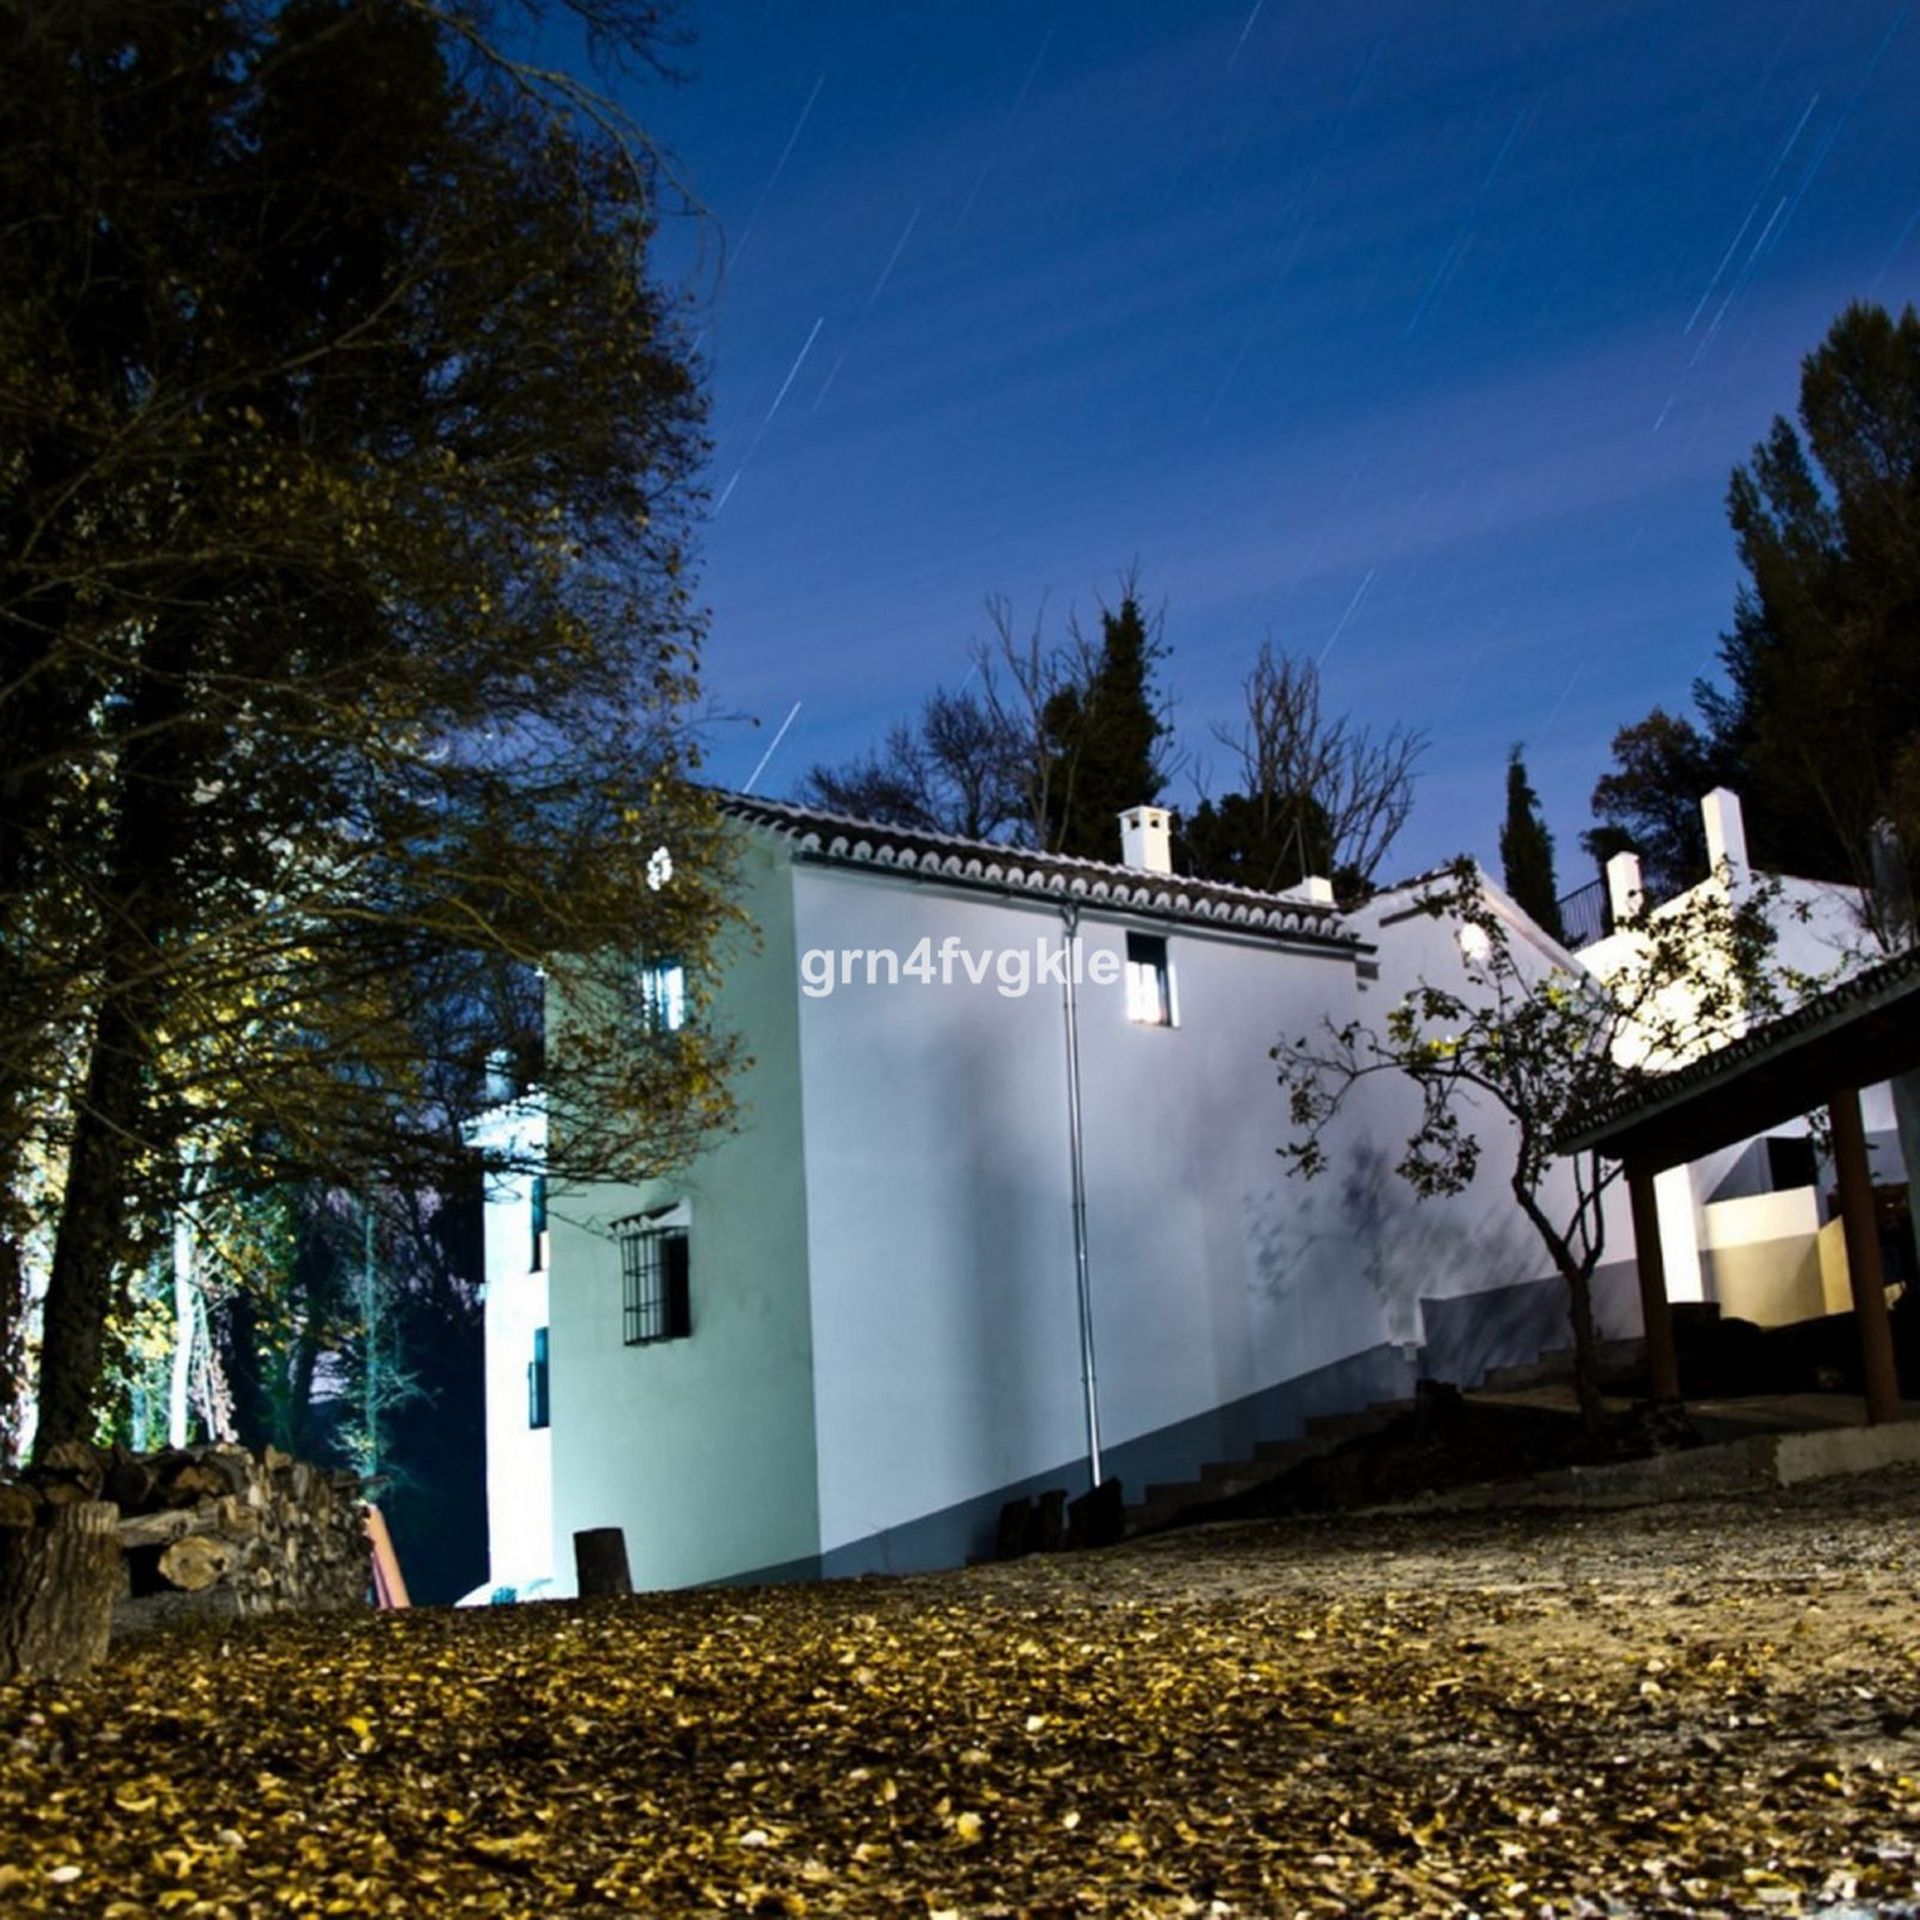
(1696, 1709)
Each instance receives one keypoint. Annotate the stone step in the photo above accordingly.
(1344, 1426)
(1220, 1479)
(1555, 1367)
(1211, 1483)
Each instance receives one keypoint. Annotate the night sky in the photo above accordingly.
(1419, 338)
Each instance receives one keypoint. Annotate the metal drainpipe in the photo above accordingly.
(1077, 1161)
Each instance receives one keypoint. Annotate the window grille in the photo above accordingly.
(653, 1283)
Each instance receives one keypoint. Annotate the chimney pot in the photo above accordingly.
(1625, 894)
(1146, 839)
(1726, 831)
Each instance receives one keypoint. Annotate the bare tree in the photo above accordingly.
(1295, 764)
(1516, 1054)
(950, 771)
(1023, 748)
(1087, 729)
(1021, 677)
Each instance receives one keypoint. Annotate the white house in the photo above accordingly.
(1748, 1228)
(857, 1325)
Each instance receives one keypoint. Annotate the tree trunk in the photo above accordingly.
(600, 1562)
(1586, 1348)
(57, 1586)
(181, 1371)
(88, 1244)
(239, 1344)
(114, 1128)
(13, 1316)
(1578, 1274)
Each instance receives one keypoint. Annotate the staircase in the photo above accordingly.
(1619, 1362)
(1220, 1479)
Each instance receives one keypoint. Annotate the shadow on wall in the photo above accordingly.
(994, 1378)
(1362, 1230)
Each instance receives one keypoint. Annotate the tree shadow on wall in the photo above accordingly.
(1361, 1226)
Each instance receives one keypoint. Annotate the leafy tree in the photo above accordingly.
(1265, 840)
(1514, 1052)
(1526, 851)
(346, 460)
(1102, 733)
(1817, 724)
(1650, 803)
(1821, 714)
(1316, 794)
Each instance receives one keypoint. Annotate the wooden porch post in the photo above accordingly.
(1662, 1360)
(1864, 1274)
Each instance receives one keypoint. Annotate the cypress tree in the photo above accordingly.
(1526, 850)
(1102, 734)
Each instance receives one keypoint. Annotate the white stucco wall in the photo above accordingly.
(1481, 1240)
(700, 1449)
(940, 1235)
(519, 1457)
(1763, 1252)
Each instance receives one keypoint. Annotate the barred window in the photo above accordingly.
(653, 1281)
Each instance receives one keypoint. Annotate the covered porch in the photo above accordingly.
(1818, 1056)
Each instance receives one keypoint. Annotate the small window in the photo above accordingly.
(663, 996)
(653, 1281)
(1149, 989)
(537, 1257)
(539, 1405)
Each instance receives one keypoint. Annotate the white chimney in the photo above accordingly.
(1146, 839)
(1726, 832)
(1314, 889)
(1625, 895)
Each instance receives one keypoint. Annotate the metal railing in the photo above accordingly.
(1586, 914)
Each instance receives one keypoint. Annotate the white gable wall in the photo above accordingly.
(939, 1237)
(945, 1338)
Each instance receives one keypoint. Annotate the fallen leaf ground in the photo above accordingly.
(1695, 1709)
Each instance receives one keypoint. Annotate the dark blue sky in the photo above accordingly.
(1420, 338)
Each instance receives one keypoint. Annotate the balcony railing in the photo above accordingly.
(1586, 914)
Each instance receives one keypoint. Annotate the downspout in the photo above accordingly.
(1070, 914)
